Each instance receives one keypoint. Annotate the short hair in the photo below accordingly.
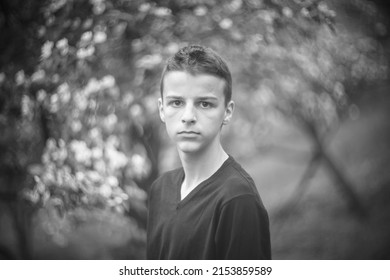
(196, 59)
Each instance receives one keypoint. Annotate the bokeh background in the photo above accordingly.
(81, 141)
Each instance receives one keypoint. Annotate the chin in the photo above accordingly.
(189, 148)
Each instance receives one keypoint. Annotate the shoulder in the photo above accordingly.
(236, 182)
(169, 175)
(167, 178)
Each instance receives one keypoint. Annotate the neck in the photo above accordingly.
(200, 166)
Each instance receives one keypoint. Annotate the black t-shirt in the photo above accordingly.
(222, 218)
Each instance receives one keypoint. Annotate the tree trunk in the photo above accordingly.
(344, 186)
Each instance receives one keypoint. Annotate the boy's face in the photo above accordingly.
(193, 110)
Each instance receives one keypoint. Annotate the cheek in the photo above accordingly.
(170, 113)
(216, 116)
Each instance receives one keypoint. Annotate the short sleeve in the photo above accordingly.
(243, 230)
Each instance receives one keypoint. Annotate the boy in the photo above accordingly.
(209, 208)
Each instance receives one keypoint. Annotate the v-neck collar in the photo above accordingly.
(180, 202)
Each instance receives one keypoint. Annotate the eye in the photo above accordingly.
(205, 104)
(176, 103)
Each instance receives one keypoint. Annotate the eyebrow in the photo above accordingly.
(209, 98)
(173, 97)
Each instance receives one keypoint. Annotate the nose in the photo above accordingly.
(189, 115)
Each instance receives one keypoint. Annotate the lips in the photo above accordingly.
(188, 133)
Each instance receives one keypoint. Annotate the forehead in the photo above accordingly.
(184, 83)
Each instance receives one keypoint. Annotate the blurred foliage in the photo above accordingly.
(79, 80)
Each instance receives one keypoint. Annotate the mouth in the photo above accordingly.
(188, 133)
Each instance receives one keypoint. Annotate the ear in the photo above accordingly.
(161, 109)
(228, 112)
